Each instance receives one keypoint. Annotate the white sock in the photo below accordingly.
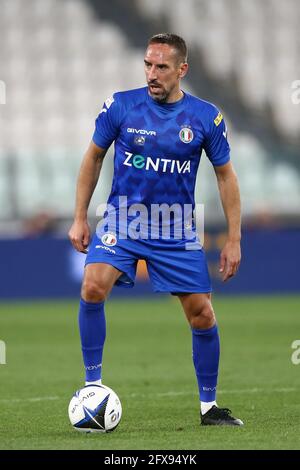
(206, 406)
(96, 382)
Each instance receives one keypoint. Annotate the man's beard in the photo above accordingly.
(162, 98)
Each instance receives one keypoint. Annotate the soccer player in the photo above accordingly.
(159, 132)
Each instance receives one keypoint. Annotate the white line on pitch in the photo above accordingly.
(30, 400)
(163, 394)
(220, 392)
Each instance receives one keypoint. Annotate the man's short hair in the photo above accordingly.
(172, 40)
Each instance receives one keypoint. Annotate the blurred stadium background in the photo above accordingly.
(60, 59)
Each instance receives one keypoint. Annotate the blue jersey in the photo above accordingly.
(158, 147)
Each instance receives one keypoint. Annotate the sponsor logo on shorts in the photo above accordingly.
(106, 248)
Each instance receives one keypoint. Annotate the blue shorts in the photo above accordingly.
(171, 267)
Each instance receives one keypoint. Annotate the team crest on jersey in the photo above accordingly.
(109, 239)
(186, 135)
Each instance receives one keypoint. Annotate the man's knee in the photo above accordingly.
(203, 317)
(98, 281)
(92, 291)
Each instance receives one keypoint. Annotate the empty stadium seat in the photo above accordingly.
(57, 62)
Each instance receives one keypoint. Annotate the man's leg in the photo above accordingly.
(206, 347)
(98, 281)
(206, 352)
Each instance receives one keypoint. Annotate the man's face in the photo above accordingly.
(163, 71)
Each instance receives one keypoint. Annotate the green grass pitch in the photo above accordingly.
(147, 361)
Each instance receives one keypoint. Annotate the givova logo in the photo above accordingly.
(93, 367)
(140, 131)
(165, 164)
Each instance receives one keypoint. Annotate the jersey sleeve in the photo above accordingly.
(107, 123)
(216, 145)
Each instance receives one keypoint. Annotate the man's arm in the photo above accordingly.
(230, 196)
(79, 233)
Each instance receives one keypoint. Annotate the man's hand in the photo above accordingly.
(230, 259)
(79, 235)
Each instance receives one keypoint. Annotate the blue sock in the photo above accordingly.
(92, 329)
(206, 353)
